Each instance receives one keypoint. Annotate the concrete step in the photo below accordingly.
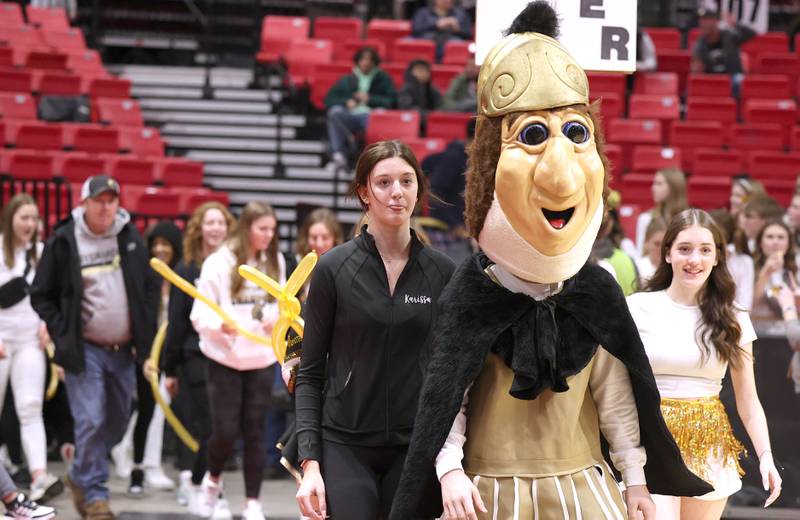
(184, 129)
(206, 105)
(139, 91)
(278, 185)
(169, 116)
(254, 158)
(245, 144)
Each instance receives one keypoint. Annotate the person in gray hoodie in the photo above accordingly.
(98, 296)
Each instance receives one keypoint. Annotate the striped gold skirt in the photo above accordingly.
(587, 494)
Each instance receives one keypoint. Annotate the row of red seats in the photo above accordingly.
(770, 42)
(11, 15)
(61, 83)
(85, 137)
(76, 167)
(120, 112)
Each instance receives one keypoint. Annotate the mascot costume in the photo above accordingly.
(536, 358)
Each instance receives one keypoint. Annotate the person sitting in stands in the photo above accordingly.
(461, 94)
(440, 22)
(716, 51)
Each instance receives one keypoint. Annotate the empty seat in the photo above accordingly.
(71, 40)
(628, 215)
(448, 125)
(782, 190)
(795, 144)
(677, 61)
(22, 165)
(395, 71)
(119, 112)
(781, 111)
(766, 86)
(346, 50)
(84, 62)
(141, 142)
(47, 60)
(457, 52)
(22, 36)
(59, 84)
(191, 198)
(96, 140)
(17, 106)
(110, 88)
(637, 188)
(751, 136)
(304, 55)
(388, 30)
(778, 63)
(409, 50)
(766, 42)
(155, 202)
(773, 164)
(39, 136)
(11, 15)
(663, 108)
(325, 76)
(716, 161)
(425, 146)
(6, 57)
(648, 159)
(442, 75)
(628, 132)
(129, 170)
(179, 172)
(708, 192)
(277, 35)
(688, 135)
(50, 18)
(16, 81)
(392, 124)
(337, 28)
(612, 106)
(656, 83)
(722, 109)
(664, 37)
(78, 167)
(600, 82)
(709, 85)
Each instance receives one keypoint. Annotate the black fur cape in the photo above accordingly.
(543, 343)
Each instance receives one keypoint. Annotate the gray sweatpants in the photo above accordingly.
(6, 484)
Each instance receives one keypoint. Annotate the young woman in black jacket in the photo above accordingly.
(369, 317)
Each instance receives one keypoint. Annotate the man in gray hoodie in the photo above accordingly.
(98, 296)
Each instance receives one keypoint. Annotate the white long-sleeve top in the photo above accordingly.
(19, 322)
(610, 385)
(236, 352)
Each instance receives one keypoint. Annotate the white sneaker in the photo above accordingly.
(185, 488)
(205, 501)
(253, 511)
(46, 487)
(222, 510)
(155, 478)
(198, 506)
(123, 461)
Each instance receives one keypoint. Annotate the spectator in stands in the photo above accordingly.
(754, 215)
(775, 263)
(98, 296)
(418, 92)
(716, 51)
(740, 264)
(441, 21)
(787, 303)
(651, 252)
(350, 100)
(206, 230)
(645, 52)
(240, 372)
(793, 218)
(461, 95)
(23, 338)
(607, 250)
(669, 196)
(17, 504)
(743, 188)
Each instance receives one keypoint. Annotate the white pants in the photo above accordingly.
(25, 363)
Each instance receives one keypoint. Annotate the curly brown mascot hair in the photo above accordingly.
(484, 153)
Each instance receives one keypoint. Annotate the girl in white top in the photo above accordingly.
(239, 378)
(692, 332)
(23, 338)
(775, 266)
(669, 196)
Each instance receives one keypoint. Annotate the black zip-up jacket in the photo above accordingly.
(57, 292)
(364, 350)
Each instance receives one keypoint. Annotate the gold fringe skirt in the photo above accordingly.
(701, 429)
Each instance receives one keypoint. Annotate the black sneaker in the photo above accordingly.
(23, 507)
(136, 488)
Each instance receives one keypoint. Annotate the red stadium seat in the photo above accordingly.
(611, 106)
(22, 36)
(663, 108)
(325, 76)
(614, 156)
(85, 62)
(78, 167)
(709, 85)
(71, 40)
(656, 83)
(664, 37)
(392, 124)
(346, 50)
(110, 88)
(409, 50)
(396, 72)
(718, 162)
(627, 132)
(722, 109)
(22, 165)
(773, 164)
(50, 18)
(764, 43)
(16, 81)
(782, 190)
(46, 60)
(628, 215)
(457, 52)
(425, 146)
(303, 57)
(637, 188)
(752, 136)
(6, 57)
(38, 136)
(141, 142)
(764, 86)
(600, 82)
(708, 192)
(129, 170)
(796, 138)
(649, 159)
(119, 112)
(17, 106)
(338, 28)
(442, 75)
(277, 35)
(59, 84)
(677, 61)
(781, 111)
(96, 140)
(688, 135)
(11, 15)
(448, 125)
(778, 63)
(191, 198)
(155, 202)
(179, 172)
(388, 30)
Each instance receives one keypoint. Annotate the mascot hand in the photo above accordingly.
(311, 495)
(460, 497)
(639, 503)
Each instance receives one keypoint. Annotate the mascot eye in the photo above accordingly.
(533, 134)
(576, 132)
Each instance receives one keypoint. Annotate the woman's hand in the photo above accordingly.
(172, 386)
(638, 500)
(229, 329)
(312, 490)
(774, 262)
(460, 496)
(149, 369)
(3, 353)
(44, 337)
(770, 478)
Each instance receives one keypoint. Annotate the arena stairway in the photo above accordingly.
(247, 147)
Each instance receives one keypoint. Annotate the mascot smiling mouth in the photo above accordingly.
(558, 219)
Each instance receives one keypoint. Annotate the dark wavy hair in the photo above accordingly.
(719, 327)
(789, 258)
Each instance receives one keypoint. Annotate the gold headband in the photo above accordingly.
(530, 71)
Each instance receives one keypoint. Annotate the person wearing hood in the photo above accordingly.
(418, 91)
(96, 293)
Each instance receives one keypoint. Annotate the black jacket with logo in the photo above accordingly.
(364, 350)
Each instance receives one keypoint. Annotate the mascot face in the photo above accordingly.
(549, 179)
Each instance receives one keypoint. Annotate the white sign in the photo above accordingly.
(600, 34)
(752, 13)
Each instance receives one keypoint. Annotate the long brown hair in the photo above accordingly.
(319, 215)
(10, 209)
(719, 326)
(193, 236)
(789, 259)
(484, 153)
(240, 244)
(676, 200)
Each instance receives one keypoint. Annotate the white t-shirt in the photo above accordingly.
(669, 334)
(19, 322)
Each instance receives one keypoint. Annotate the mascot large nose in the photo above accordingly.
(559, 173)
